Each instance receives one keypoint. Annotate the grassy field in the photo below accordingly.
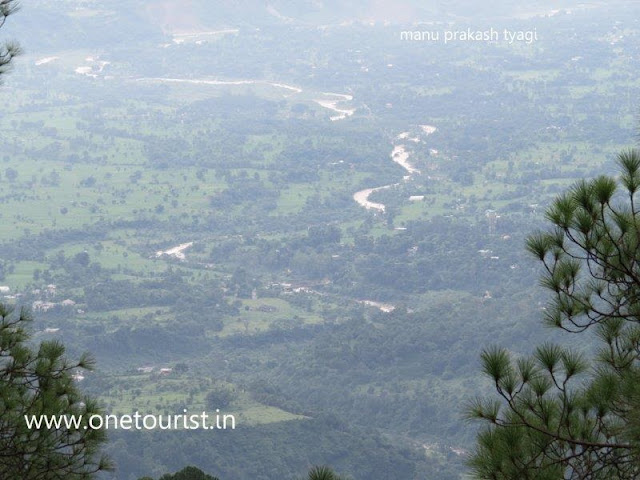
(170, 394)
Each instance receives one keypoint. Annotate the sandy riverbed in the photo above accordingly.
(401, 157)
(199, 81)
(332, 104)
(177, 252)
(44, 61)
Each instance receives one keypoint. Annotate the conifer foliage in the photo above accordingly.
(37, 381)
(561, 413)
(10, 49)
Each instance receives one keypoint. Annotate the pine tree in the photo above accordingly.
(562, 414)
(322, 473)
(8, 50)
(34, 381)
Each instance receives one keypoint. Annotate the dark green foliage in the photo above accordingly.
(322, 473)
(280, 450)
(193, 473)
(8, 50)
(37, 380)
(187, 473)
(219, 397)
(560, 415)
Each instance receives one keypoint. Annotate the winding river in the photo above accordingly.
(399, 155)
(333, 101)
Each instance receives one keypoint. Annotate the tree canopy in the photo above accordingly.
(567, 412)
(36, 381)
(193, 473)
(187, 473)
(8, 50)
(322, 473)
